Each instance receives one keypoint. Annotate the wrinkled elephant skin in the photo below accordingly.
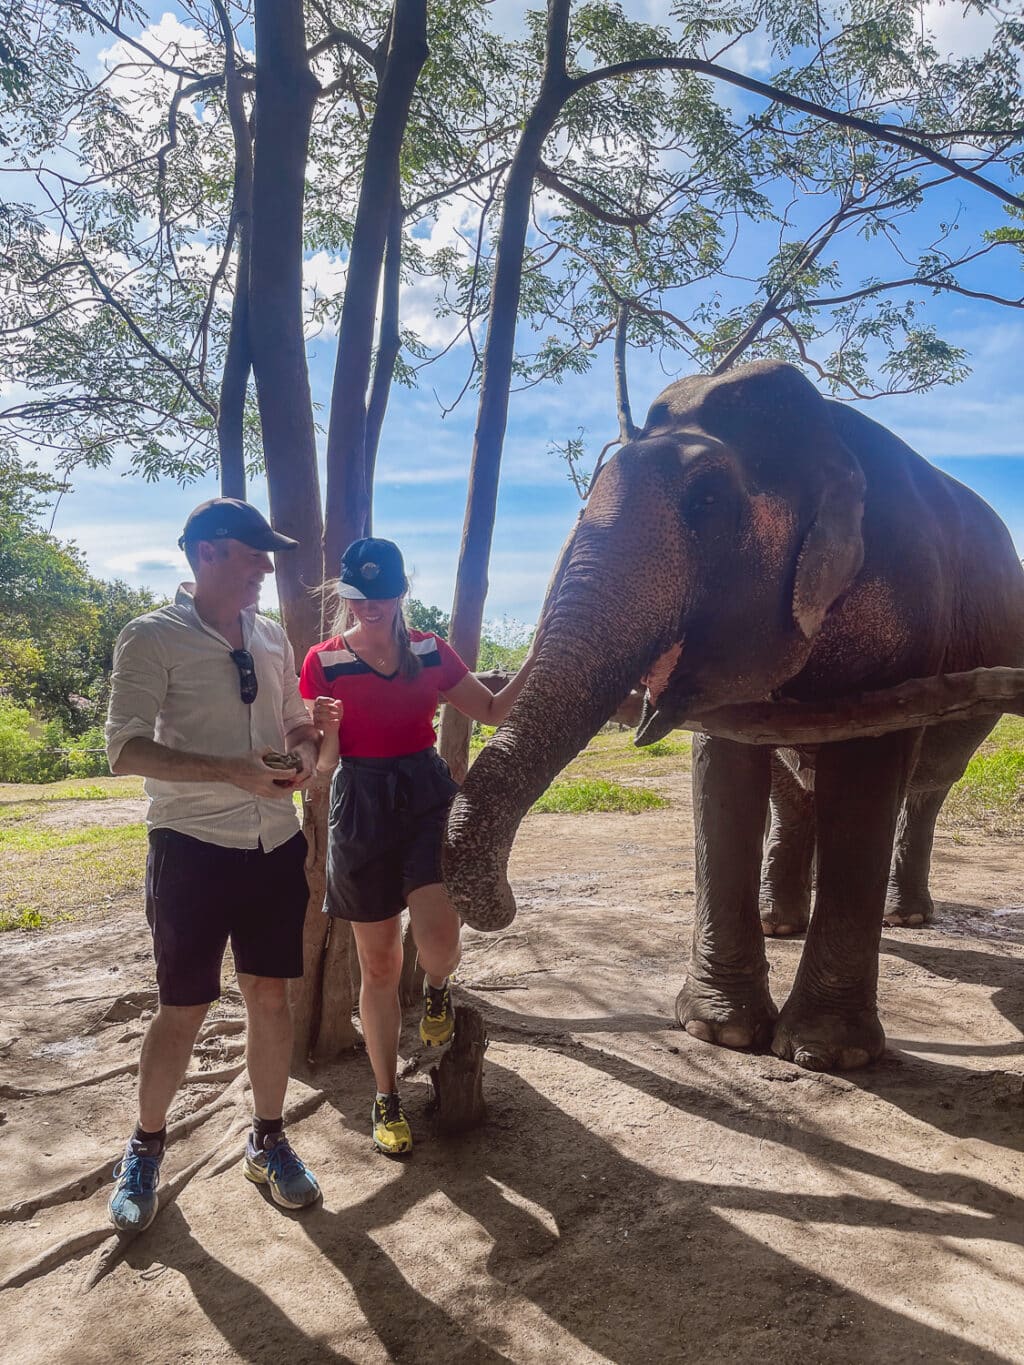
(758, 540)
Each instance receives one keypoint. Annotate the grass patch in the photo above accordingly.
(991, 791)
(20, 800)
(596, 794)
(665, 748)
(54, 874)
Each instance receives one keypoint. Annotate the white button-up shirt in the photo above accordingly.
(174, 682)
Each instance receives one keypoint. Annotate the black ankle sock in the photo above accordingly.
(140, 1135)
(262, 1128)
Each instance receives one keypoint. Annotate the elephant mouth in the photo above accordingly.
(656, 721)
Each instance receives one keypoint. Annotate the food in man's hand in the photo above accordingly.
(289, 762)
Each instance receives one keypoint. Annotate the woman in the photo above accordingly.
(373, 688)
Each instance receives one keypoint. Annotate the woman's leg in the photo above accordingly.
(436, 929)
(379, 946)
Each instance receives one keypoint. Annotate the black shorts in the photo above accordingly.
(386, 823)
(200, 895)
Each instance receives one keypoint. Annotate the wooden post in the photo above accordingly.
(458, 1079)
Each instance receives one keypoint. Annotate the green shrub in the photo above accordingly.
(22, 919)
(596, 794)
(86, 755)
(19, 742)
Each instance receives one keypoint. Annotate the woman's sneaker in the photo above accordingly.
(133, 1204)
(390, 1128)
(438, 1023)
(292, 1184)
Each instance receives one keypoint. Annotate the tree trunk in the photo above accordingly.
(349, 461)
(238, 358)
(348, 485)
(285, 93)
(492, 413)
(388, 345)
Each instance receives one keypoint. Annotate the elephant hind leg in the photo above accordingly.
(725, 998)
(787, 873)
(945, 752)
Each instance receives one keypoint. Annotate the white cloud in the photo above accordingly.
(171, 41)
(958, 29)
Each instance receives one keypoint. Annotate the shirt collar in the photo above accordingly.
(185, 598)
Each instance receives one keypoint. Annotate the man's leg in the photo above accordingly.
(268, 1046)
(166, 1050)
(266, 939)
(189, 936)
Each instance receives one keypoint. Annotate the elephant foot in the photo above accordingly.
(820, 1039)
(908, 909)
(735, 1018)
(780, 921)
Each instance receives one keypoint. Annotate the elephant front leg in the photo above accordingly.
(725, 999)
(788, 872)
(830, 1020)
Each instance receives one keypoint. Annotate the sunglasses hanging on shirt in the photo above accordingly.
(248, 684)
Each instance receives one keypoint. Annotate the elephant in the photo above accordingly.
(759, 541)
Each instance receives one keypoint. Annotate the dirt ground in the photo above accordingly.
(636, 1196)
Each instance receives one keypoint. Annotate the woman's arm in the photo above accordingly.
(474, 700)
(326, 713)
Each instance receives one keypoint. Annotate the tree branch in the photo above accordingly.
(547, 177)
(876, 131)
(122, 312)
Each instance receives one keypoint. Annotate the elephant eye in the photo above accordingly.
(705, 491)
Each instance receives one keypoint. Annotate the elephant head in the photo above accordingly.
(709, 554)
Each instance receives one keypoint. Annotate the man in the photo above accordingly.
(201, 690)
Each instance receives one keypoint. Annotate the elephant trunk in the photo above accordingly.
(587, 662)
(546, 730)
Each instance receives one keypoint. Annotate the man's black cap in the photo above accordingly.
(230, 519)
(372, 570)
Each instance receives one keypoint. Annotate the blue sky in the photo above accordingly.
(975, 431)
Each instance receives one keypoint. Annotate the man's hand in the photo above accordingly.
(251, 774)
(308, 750)
(327, 713)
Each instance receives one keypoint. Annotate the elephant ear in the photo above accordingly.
(833, 548)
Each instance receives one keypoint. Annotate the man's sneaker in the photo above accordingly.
(391, 1132)
(133, 1204)
(292, 1184)
(438, 1023)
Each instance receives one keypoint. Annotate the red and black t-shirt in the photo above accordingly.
(383, 716)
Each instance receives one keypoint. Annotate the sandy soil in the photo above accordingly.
(636, 1196)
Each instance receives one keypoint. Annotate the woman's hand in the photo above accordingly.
(327, 713)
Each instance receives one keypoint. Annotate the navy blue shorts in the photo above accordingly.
(200, 895)
(386, 823)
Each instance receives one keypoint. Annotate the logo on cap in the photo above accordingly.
(370, 571)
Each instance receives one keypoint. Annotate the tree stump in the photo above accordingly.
(458, 1078)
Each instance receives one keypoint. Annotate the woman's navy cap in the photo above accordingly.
(372, 570)
(230, 519)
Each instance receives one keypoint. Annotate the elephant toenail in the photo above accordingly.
(697, 1028)
(811, 1061)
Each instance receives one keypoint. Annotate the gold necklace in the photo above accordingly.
(378, 664)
